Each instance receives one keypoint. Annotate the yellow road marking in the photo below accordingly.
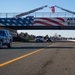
(18, 58)
(23, 56)
(51, 44)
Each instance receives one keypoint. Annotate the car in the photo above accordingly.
(49, 40)
(39, 39)
(5, 38)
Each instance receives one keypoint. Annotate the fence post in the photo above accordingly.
(6, 15)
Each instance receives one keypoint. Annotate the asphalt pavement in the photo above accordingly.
(56, 58)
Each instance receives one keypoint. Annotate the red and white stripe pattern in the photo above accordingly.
(49, 22)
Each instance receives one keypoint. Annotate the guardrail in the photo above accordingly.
(39, 14)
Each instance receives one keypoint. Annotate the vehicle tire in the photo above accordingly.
(9, 45)
(1, 44)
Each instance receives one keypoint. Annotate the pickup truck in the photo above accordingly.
(5, 38)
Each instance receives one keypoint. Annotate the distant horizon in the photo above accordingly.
(48, 32)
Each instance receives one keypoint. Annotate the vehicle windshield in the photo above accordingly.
(39, 37)
(1, 32)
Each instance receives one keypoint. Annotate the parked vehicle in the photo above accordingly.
(39, 39)
(5, 38)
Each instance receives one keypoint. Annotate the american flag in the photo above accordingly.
(52, 9)
(48, 22)
(17, 21)
(31, 21)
